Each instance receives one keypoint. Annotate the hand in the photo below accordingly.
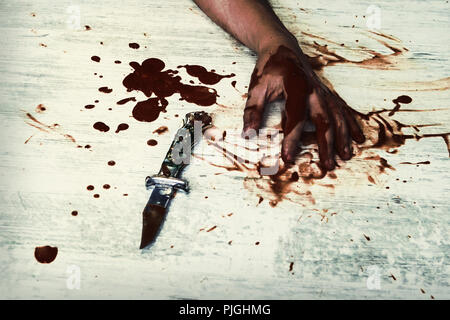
(284, 72)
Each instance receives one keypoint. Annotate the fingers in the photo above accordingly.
(294, 118)
(296, 93)
(355, 131)
(324, 131)
(254, 110)
(341, 134)
(290, 145)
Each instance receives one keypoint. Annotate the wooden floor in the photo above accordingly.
(335, 243)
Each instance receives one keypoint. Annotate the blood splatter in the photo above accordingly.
(45, 254)
(203, 75)
(105, 89)
(100, 126)
(122, 127)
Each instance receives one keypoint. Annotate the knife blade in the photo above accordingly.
(165, 184)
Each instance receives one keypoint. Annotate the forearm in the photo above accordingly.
(252, 22)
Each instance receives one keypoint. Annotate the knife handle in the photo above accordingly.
(175, 183)
(178, 156)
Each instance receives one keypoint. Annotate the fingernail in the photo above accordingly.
(287, 158)
(329, 164)
(347, 153)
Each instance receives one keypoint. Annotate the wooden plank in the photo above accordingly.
(322, 236)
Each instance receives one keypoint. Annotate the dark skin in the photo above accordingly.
(283, 71)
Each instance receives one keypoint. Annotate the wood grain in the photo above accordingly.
(44, 176)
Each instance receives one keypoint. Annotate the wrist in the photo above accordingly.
(270, 43)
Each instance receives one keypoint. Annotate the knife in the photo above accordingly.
(165, 184)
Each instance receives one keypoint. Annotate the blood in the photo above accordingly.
(111, 163)
(134, 45)
(40, 108)
(74, 213)
(294, 176)
(384, 164)
(151, 78)
(291, 266)
(152, 142)
(105, 89)
(149, 110)
(380, 130)
(261, 199)
(106, 186)
(100, 126)
(45, 254)
(296, 87)
(96, 195)
(203, 75)
(47, 128)
(416, 163)
(95, 58)
(89, 106)
(90, 187)
(123, 101)
(161, 130)
(122, 127)
(401, 99)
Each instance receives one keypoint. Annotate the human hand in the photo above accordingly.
(284, 72)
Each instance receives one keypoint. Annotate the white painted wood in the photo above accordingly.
(44, 180)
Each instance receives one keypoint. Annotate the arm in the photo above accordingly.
(252, 22)
(283, 71)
